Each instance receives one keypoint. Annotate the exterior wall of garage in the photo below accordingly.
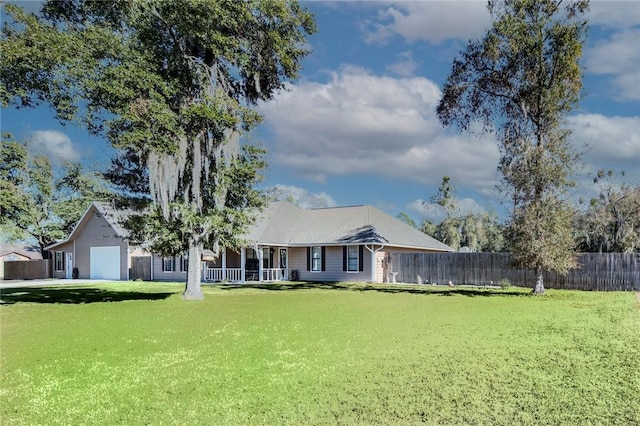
(93, 231)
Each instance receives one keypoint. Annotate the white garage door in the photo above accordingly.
(105, 263)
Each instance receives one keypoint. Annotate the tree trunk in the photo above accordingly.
(193, 291)
(538, 287)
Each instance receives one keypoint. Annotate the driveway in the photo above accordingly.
(45, 283)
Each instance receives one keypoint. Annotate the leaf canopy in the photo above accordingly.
(520, 81)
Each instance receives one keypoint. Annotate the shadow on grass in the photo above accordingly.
(72, 295)
(382, 288)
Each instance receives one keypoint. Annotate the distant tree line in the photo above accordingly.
(607, 223)
(611, 221)
(478, 232)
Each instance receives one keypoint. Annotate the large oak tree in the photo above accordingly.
(172, 84)
(521, 79)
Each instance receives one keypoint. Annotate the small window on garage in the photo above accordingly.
(59, 261)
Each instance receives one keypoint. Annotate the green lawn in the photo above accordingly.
(135, 353)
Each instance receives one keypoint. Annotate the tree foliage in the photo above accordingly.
(26, 193)
(407, 219)
(445, 197)
(34, 203)
(172, 85)
(611, 221)
(475, 231)
(520, 81)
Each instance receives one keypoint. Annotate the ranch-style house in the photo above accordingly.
(286, 242)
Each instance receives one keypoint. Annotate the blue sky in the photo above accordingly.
(359, 127)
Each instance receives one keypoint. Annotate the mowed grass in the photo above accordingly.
(135, 353)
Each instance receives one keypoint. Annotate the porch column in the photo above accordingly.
(373, 266)
(224, 264)
(243, 260)
(260, 253)
(373, 252)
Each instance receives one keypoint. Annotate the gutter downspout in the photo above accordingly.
(373, 260)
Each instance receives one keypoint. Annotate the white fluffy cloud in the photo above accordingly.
(432, 21)
(614, 13)
(438, 21)
(55, 145)
(303, 198)
(619, 57)
(361, 124)
(358, 123)
(608, 142)
(406, 66)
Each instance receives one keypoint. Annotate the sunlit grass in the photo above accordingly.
(326, 354)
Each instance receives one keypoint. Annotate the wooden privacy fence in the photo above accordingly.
(596, 271)
(27, 269)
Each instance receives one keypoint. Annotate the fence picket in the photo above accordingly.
(596, 271)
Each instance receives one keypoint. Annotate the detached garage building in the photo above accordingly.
(97, 247)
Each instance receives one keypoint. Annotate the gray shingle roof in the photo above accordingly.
(282, 223)
(114, 216)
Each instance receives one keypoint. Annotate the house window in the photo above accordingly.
(168, 264)
(316, 258)
(184, 263)
(352, 258)
(59, 261)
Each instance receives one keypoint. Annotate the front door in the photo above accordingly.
(69, 268)
(282, 263)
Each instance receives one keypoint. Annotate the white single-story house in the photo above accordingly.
(286, 242)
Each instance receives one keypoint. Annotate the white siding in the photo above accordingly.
(93, 231)
(333, 265)
(160, 275)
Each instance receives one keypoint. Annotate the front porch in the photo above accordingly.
(261, 263)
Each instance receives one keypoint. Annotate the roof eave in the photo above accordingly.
(59, 243)
(340, 244)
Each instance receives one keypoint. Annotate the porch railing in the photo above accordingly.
(274, 274)
(216, 274)
(235, 274)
